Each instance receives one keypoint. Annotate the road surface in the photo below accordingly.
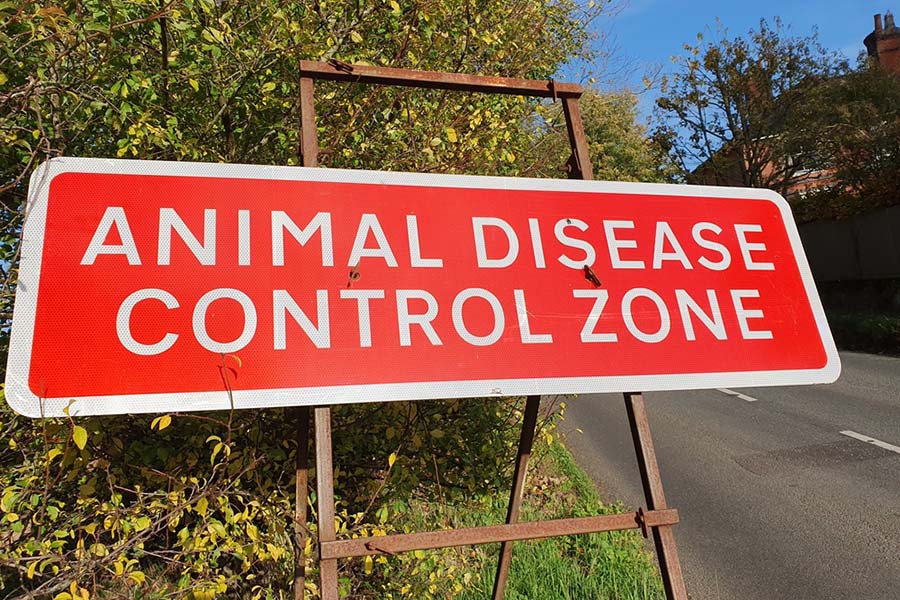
(789, 493)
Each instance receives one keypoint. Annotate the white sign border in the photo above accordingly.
(24, 401)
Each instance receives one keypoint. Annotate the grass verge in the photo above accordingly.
(597, 566)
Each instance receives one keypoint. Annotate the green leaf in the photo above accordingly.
(79, 435)
(268, 87)
(193, 83)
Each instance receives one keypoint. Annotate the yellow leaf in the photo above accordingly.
(137, 577)
(63, 596)
(355, 37)
(392, 459)
(54, 452)
(164, 421)
(369, 565)
(90, 529)
(451, 134)
(79, 434)
(30, 573)
(202, 505)
(395, 7)
(119, 567)
(194, 84)
(3, 78)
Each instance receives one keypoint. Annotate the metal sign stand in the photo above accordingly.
(657, 518)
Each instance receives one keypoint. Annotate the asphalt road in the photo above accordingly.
(775, 502)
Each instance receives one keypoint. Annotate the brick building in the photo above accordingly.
(883, 44)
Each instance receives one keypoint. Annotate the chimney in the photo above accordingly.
(889, 20)
(877, 24)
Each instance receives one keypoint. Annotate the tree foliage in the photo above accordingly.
(619, 147)
(732, 107)
(197, 506)
(853, 122)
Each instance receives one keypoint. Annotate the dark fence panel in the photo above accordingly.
(866, 246)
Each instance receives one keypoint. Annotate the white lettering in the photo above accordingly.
(199, 320)
(113, 215)
(280, 222)
(536, 244)
(123, 322)
(283, 303)
(722, 264)
(169, 220)
(665, 234)
(243, 238)
(627, 314)
(560, 231)
(748, 247)
(423, 320)
(587, 332)
(362, 298)
(743, 315)
(616, 244)
(415, 250)
(460, 325)
(478, 225)
(714, 322)
(369, 223)
(525, 326)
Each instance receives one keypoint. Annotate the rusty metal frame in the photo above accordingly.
(657, 519)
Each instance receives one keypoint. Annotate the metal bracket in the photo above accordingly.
(340, 65)
(641, 519)
(573, 167)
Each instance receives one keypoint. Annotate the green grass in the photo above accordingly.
(598, 566)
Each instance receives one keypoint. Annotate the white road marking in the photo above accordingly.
(871, 440)
(736, 394)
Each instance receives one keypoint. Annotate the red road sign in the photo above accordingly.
(155, 286)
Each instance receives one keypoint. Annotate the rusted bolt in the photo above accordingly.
(591, 276)
(372, 547)
(340, 65)
(354, 275)
(641, 519)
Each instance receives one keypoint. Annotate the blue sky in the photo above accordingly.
(645, 33)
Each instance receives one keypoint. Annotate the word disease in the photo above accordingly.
(158, 286)
(618, 240)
